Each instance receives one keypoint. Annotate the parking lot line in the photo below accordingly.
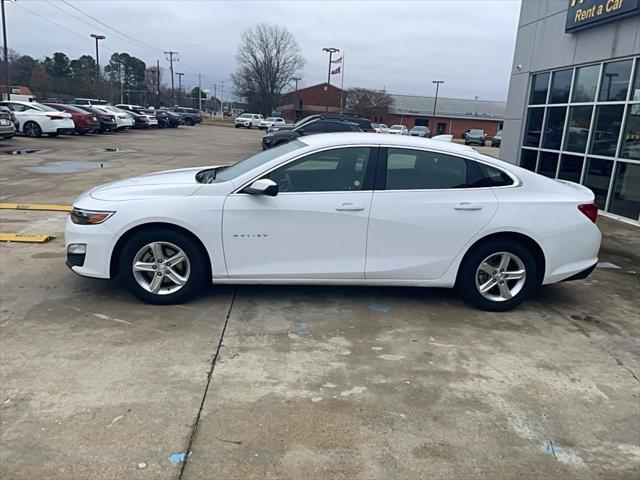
(26, 238)
(36, 206)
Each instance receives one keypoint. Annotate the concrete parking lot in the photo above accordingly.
(297, 382)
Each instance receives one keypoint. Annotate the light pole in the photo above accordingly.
(6, 53)
(435, 101)
(98, 37)
(331, 51)
(296, 79)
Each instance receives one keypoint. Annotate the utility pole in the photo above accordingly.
(97, 37)
(158, 82)
(222, 97)
(199, 93)
(171, 60)
(296, 79)
(331, 51)
(215, 96)
(180, 74)
(435, 101)
(6, 53)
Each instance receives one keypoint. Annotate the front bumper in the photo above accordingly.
(99, 240)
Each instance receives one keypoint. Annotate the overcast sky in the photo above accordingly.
(398, 45)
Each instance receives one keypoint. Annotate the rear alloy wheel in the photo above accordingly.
(189, 122)
(498, 275)
(162, 267)
(32, 129)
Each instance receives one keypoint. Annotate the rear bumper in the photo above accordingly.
(65, 131)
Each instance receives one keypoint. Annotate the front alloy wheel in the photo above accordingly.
(163, 266)
(32, 129)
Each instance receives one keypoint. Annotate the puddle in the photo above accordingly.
(67, 167)
(118, 150)
(24, 152)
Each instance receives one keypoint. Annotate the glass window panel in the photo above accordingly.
(578, 128)
(585, 84)
(604, 138)
(615, 81)
(631, 137)
(539, 87)
(571, 168)
(534, 127)
(635, 94)
(548, 164)
(528, 159)
(625, 199)
(597, 179)
(560, 85)
(554, 125)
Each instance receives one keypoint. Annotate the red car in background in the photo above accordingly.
(85, 122)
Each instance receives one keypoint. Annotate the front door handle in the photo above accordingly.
(468, 206)
(349, 207)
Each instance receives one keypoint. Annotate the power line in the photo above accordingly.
(111, 28)
(51, 21)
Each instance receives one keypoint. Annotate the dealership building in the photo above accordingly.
(573, 109)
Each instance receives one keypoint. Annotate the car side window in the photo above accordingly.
(424, 170)
(315, 127)
(336, 170)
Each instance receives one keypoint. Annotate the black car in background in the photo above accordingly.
(161, 116)
(107, 121)
(191, 116)
(174, 120)
(497, 139)
(363, 123)
(317, 125)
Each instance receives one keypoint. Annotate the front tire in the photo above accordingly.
(32, 129)
(498, 275)
(162, 267)
(189, 122)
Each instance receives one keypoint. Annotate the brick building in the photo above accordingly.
(453, 115)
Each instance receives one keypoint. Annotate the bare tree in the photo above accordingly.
(367, 102)
(268, 59)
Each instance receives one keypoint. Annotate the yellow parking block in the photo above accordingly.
(36, 206)
(18, 237)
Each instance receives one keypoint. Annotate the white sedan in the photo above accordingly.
(34, 119)
(339, 209)
(271, 122)
(123, 118)
(398, 130)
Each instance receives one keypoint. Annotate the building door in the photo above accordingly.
(442, 129)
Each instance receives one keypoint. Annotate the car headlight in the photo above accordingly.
(88, 217)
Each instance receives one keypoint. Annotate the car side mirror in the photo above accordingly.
(264, 186)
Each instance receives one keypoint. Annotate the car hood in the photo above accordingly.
(169, 183)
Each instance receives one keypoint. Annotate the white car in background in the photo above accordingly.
(123, 119)
(380, 127)
(34, 119)
(271, 122)
(398, 130)
(248, 120)
(152, 121)
(339, 209)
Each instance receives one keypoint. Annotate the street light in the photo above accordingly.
(98, 37)
(6, 53)
(331, 51)
(435, 101)
(296, 79)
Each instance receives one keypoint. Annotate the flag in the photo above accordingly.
(337, 60)
(336, 71)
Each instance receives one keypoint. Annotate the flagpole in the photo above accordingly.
(342, 82)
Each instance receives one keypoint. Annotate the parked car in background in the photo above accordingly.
(89, 101)
(7, 128)
(248, 120)
(107, 120)
(271, 122)
(380, 128)
(497, 139)
(84, 121)
(318, 125)
(475, 136)
(34, 119)
(191, 116)
(162, 117)
(398, 130)
(123, 119)
(174, 119)
(420, 131)
(364, 123)
(325, 209)
(150, 116)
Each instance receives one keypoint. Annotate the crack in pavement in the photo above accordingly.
(206, 388)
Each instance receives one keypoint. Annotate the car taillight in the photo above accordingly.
(55, 117)
(590, 210)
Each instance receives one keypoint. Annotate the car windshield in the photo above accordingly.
(375, 125)
(476, 132)
(397, 127)
(270, 119)
(248, 164)
(419, 128)
(245, 115)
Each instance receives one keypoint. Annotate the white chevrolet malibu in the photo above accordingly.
(339, 209)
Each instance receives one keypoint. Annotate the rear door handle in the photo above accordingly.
(468, 206)
(349, 207)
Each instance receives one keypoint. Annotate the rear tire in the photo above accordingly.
(32, 129)
(505, 270)
(189, 122)
(142, 249)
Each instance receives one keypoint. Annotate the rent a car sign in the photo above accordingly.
(589, 13)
